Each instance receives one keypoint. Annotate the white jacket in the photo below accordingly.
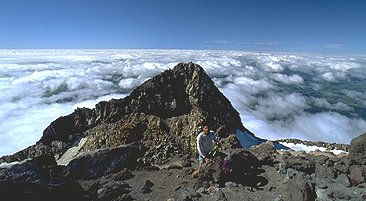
(205, 143)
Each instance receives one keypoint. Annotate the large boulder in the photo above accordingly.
(357, 150)
(40, 168)
(38, 179)
(101, 162)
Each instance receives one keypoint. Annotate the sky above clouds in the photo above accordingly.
(334, 26)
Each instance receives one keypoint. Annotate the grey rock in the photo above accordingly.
(357, 150)
(343, 180)
(219, 195)
(357, 175)
(39, 168)
(265, 152)
(103, 161)
(201, 190)
(341, 194)
(324, 172)
(322, 195)
(357, 199)
(291, 173)
(299, 163)
(322, 185)
(298, 188)
(341, 167)
(231, 184)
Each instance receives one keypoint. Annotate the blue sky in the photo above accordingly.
(332, 26)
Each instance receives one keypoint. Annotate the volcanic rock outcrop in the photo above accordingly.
(164, 114)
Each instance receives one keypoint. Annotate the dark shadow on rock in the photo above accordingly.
(106, 189)
(52, 190)
(252, 181)
(240, 166)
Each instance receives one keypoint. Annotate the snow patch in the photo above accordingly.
(307, 149)
(9, 165)
(71, 153)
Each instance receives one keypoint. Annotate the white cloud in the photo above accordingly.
(328, 127)
(280, 105)
(292, 79)
(37, 86)
(252, 86)
(342, 106)
(334, 76)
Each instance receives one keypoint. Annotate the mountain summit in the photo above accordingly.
(165, 112)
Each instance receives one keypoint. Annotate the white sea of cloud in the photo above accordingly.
(278, 95)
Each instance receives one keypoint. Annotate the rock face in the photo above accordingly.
(143, 147)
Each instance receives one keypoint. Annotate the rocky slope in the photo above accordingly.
(142, 147)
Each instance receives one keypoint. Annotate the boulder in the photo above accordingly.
(40, 168)
(102, 162)
(357, 150)
(324, 172)
(38, 179)
(265, 152)
(357, 174)
(298, 188)
(299, 163)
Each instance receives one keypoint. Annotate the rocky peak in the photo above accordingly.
(166, 111)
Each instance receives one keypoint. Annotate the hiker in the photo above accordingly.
(206, 143)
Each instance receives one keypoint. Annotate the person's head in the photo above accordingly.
(205, 128)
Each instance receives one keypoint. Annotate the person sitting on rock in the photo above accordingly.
(206, 143)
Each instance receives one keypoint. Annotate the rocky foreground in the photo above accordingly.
(142, 147)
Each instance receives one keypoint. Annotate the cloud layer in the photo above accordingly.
(312, 97)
